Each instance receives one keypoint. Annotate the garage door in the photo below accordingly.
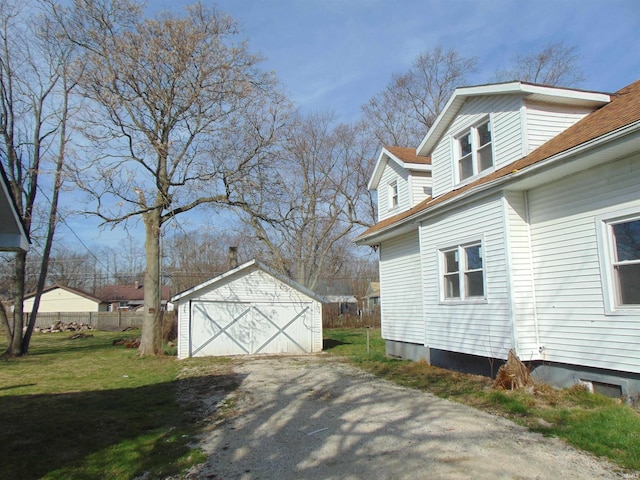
(233, 328)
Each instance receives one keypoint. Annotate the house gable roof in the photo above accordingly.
(246, 267)
(403, 156)
(13, 235)
(75, 291)
(621, 113)
(531, 91)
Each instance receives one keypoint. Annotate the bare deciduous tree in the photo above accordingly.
(34, 110)
(556, 64)
(404, 111)
(308, 217)
(196, 256)
(178, 115)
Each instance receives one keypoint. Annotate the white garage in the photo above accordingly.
(248, 310)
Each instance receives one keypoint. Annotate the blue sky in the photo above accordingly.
(336, 54)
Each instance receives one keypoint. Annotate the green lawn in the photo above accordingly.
(80, 409)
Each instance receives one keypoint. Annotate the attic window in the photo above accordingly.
(475, 152)
(393, 194)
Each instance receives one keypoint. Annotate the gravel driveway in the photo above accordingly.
(317, 418)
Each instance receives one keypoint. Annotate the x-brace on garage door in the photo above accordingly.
(234, 328)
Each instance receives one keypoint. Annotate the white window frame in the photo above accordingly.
(608, 260)
(474, 156)
(462, 273)
(393, 195)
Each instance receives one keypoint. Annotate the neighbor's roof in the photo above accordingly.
(122, 293)
(622, 111)
(77, 291)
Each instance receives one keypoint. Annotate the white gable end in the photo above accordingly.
(503, 112)
(394, 182)
(544, 121)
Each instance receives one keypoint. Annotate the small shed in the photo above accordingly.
(248, 310)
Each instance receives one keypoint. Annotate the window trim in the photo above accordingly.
(462, 272)
(606, 254)
(472, 131)
(393, 194)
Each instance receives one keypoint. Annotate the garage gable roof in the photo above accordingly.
(253, 264)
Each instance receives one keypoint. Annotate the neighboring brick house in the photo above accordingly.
(129, 297)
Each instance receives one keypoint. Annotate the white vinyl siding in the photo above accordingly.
(421, 185)
(481, 327)
(393, 173)
(184, 334)
(521, 275)
(506, 130)
(61, 300)
(545, 121)
(400, 289)
(574, 327)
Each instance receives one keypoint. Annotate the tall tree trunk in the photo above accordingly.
(151, 339)
(15, 344)
(46, 254)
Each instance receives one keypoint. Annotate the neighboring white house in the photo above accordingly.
(248, 310)
(12, 232)
(60, 298)
(530, 241)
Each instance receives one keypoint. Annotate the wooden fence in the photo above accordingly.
(97, 320)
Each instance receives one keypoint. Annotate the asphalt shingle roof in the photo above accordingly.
(623, 110)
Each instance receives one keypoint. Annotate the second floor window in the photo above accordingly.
(475, 151)
(393, 195)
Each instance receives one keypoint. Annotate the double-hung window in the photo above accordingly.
(393, 194)
(463, 272)
(475, 152)
(624, 255)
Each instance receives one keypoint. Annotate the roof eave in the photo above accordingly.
(487, 188)
(538, 92)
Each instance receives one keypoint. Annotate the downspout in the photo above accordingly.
(533, 280)
(190, 326)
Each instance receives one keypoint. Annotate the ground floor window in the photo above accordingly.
(462, 272)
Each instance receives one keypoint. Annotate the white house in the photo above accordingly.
(12, 232)
(529, 241)
(248, 310)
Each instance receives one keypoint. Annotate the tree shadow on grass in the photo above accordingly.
(112, 433)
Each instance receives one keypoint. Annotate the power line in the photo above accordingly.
(64, 221)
